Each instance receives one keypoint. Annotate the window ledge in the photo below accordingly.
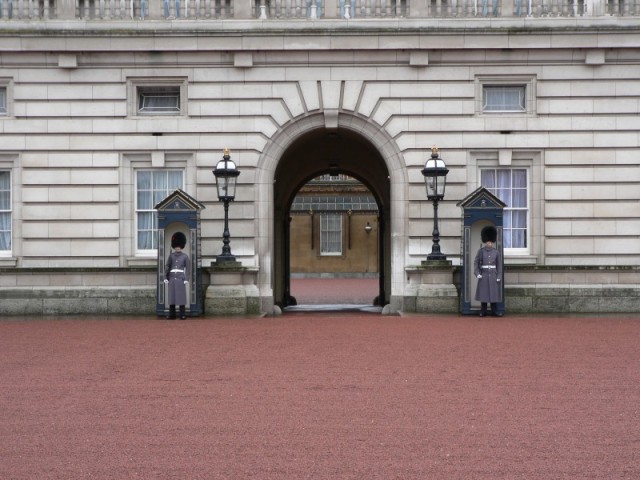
(520, 260)
(8, 262)
(141, 261)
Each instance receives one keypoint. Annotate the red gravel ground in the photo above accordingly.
(310, 396)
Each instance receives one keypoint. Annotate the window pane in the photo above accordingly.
(508, 98)
(174, 180)
(3, 100)
(519, 198)
(160, 181)
(519, 239)
(159, 195)
(159, 99)
(519, 178)
(504, 178)
(330, 234)
(144, 180)
(146, 231)
(144, 200)
(519, 219)
(506, 220)
(5, 211)
(5, 200)
(5, 191)
(488, 179)
(5, 231)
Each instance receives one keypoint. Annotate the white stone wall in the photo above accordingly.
(73, 141)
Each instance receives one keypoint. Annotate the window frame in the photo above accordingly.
(142, 252)
(168, 91)
(528, 82)
(6, 85)
(522, 99)
(518, 158)
(324, 231)
(137, 86)
(516, 251)
(4, 107)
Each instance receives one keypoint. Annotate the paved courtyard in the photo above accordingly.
(320, 396)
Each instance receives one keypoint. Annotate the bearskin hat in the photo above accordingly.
(178, 240)
(489, 234)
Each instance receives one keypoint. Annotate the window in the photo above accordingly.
(152, 186)
(3, 100)
(510, 186)
(159, 100)
(330, 234)
(156, 96)
(504, 98)
(506, 94)
(5, 212)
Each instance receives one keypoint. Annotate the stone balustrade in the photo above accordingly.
(308, 9)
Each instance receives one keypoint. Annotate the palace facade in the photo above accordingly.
(109, 106)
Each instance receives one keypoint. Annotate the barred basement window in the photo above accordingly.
(158, 100)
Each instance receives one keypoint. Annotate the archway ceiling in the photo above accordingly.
(321, 152)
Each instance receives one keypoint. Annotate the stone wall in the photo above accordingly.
(73, 140)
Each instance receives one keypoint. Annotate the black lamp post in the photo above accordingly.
(435, 177)
(226, 175)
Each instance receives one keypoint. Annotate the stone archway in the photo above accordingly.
(307, 148)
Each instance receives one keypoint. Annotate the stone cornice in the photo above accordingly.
(305, 35)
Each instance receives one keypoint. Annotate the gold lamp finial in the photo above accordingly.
(226, 151)
(434, 149)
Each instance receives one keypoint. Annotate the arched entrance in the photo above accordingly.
(330, 153)
(307, 149)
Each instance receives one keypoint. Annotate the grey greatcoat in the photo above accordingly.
(489, 265)
(177, 271)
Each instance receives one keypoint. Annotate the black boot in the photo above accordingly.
(183, 315)
(172, 312)
(483, 309)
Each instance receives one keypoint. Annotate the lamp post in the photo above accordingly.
(435, 178)
(226, 175)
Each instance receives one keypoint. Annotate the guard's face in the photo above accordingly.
(178, 249)
(489, 244)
